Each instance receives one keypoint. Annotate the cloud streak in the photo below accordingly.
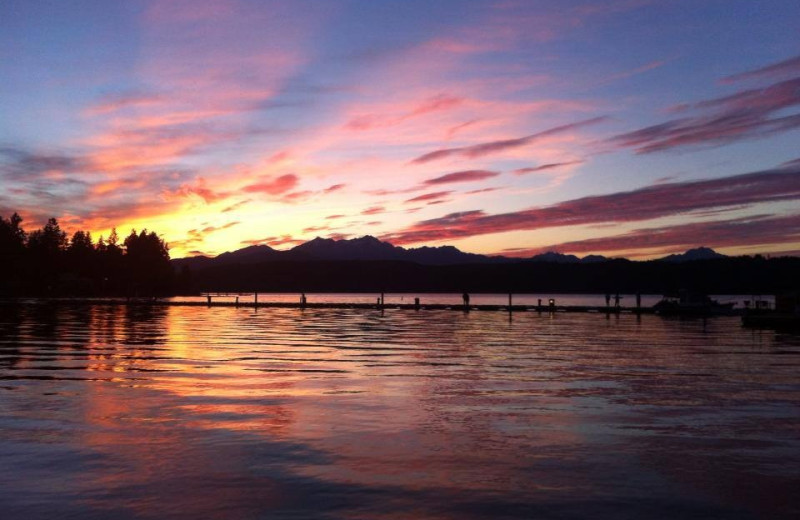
(750, 113)
(430, 197)
(494, 147)
(789, 66)
(462, 176)
(748, 231)
(647, 203)
(545, 167)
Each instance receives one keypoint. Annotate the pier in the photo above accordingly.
(545, 307)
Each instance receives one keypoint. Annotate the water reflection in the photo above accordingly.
(143, 412)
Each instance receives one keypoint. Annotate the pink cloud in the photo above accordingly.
(339, 236)
(274, 241)
(430, 196)
(747, 231)
(200, 190)
(643, 204)
(790, 66)
(463, 176)
(237, 205)
(315, 229)
(374, 210)
(122, 100)
(273, 186)
(400, 114)
(745, 114)
(493, 147)
(335, 187)
(482, 190)
(545, 167)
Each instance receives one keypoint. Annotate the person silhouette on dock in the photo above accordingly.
(617, 298)
(465, 297)
(608, 300)
(303, 300)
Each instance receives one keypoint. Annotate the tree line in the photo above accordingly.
(46, 262)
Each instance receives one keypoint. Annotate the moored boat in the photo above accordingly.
(687, 303)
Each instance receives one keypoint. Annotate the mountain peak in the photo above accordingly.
(554, 256)
(697, 253)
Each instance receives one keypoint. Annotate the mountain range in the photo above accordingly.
(369, 248)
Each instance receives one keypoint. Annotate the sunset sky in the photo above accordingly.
(624, 127)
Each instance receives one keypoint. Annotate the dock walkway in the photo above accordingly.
(332, 305)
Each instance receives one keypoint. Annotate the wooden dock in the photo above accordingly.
(145, 302)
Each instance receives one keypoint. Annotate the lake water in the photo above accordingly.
(194, 412)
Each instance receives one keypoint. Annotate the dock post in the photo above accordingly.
(539, 305)
(237, 302)
(382, 300)
(638, 303)
(255, 301)
(209, 299)
(509, 302)
(416, 303)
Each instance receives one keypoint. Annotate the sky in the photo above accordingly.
(629, 128)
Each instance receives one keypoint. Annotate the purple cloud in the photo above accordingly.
(439, 195)
(755, 230)
(746, 114)
(492, 147)
(643, 204)
(463, 176)
(545, 167)
(790, 66)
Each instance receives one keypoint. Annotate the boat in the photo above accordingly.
(784, 317)
(687, 303)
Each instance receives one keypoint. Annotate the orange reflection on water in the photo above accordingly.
(213, 412)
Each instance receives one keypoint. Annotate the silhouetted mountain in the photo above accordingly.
(249, 255)
(699, 253)
(245, 256)
(591, 259)
(368, 264)
(559, 258)
(366, 248)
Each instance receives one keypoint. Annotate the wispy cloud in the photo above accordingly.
(545, 167)
(751, 113)
(790, 66)
(746, 231)
(273, 186)
(428, 197)
(639, 205)
(493, 147)
(373, 210)
(462, 176)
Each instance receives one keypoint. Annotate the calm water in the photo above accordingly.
(114, 412)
